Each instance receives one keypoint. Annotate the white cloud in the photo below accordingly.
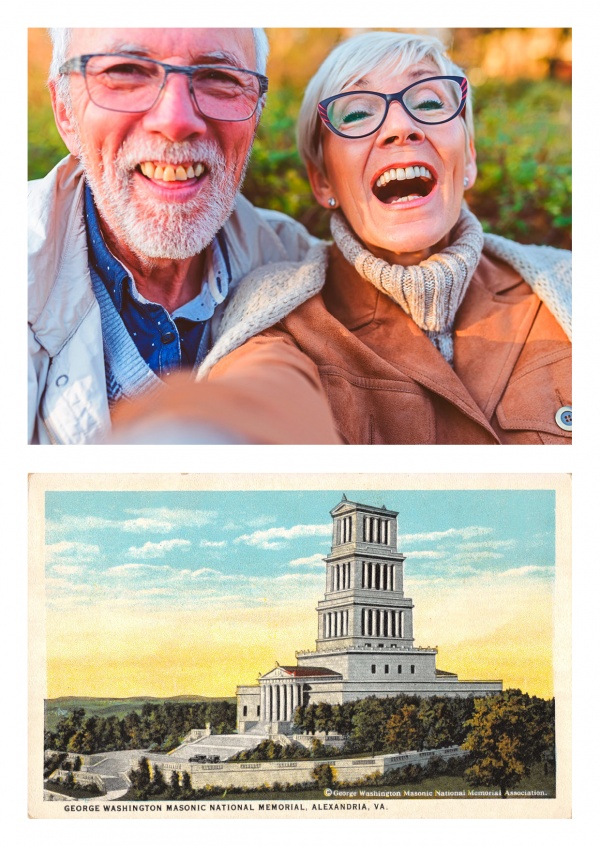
(488, 544)
(66, 569)
(465, 533)
(315, 560)
(71, 552)
(162, 520)
(426, 553)
(527, 570)
(212, 543)
(157, 550)
(274, 538)
(482, 555)
(135, 568)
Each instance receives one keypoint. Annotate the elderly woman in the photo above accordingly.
(421, 329)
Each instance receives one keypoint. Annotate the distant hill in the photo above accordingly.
(108, 707)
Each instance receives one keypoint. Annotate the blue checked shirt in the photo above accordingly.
(166, 342)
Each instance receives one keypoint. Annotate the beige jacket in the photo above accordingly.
(66, 378)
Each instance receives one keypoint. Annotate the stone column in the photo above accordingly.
(263, 700)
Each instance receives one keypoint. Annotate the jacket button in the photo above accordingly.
(564, 418)
(62, 380)
(168, 337)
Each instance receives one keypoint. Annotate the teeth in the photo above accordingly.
(403, 173)
(171, 173)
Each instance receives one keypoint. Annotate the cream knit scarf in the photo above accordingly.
(430, 292)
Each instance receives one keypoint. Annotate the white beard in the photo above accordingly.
(159, 229)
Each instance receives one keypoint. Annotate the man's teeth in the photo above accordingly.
(403, 173)
(171, 173)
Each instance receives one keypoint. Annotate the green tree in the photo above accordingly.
(368, 724)
(157, 785)
(186, 785)
(324, 775)
(323, 717)
(140, 779)
(507, 734)
(405, 730)
(174, 786)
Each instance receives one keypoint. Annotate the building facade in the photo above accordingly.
(365, 643)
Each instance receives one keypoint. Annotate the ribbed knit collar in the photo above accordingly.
(430, 292)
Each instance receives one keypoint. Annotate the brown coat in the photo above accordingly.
(387, 384)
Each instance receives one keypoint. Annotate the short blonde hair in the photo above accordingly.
(357, 57)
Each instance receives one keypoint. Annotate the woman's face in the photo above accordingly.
(395, 228)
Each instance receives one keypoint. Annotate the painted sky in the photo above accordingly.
(177, 592)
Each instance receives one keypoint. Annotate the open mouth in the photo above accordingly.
(163, 172)
(401, 185)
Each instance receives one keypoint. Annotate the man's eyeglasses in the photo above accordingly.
(356, 114)
(123, 82)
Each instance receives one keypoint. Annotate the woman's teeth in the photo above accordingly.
(403, 173)
(171, 173)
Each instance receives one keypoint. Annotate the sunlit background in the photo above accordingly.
(522, 84)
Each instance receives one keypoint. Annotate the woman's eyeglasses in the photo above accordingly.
(356, 114)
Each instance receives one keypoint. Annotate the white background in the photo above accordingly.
(19, 460)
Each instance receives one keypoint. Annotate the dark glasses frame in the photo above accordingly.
(78, 64)
(398, 97)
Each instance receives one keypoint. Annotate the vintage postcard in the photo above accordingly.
(310, 646)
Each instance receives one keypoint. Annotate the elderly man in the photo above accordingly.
(139, 236)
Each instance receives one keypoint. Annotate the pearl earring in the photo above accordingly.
(332, 202)
(466, 182)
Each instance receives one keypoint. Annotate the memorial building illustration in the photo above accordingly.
(365, 642)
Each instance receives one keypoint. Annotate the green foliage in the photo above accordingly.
(523, 140)
(508, 733)
(324, 775)
(270, 750)
(160, 726)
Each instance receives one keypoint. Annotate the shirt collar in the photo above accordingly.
(115, 276)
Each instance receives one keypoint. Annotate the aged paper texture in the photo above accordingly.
(309, 646)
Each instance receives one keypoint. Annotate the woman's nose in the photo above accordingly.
(399, 127)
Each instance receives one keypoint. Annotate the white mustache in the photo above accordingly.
(132, 153)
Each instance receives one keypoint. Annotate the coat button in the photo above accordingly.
(168, 337)
(564, 418)
(62, 380)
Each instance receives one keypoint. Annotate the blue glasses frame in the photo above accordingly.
(398, 97)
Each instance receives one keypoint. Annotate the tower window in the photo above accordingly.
(245, 710)
(258, 710)
(412, 668)
(387, 668)
(373, 668)
(399, 668)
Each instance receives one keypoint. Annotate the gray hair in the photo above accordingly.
(61, 40)
(357, 57)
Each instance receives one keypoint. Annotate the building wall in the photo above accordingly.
(357, 666)
(248, 698)
(258, 773)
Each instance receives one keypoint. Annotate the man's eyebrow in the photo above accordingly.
(216, 57)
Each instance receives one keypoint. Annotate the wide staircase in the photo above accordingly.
(223, 745)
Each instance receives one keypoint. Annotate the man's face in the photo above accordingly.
(152, 217)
